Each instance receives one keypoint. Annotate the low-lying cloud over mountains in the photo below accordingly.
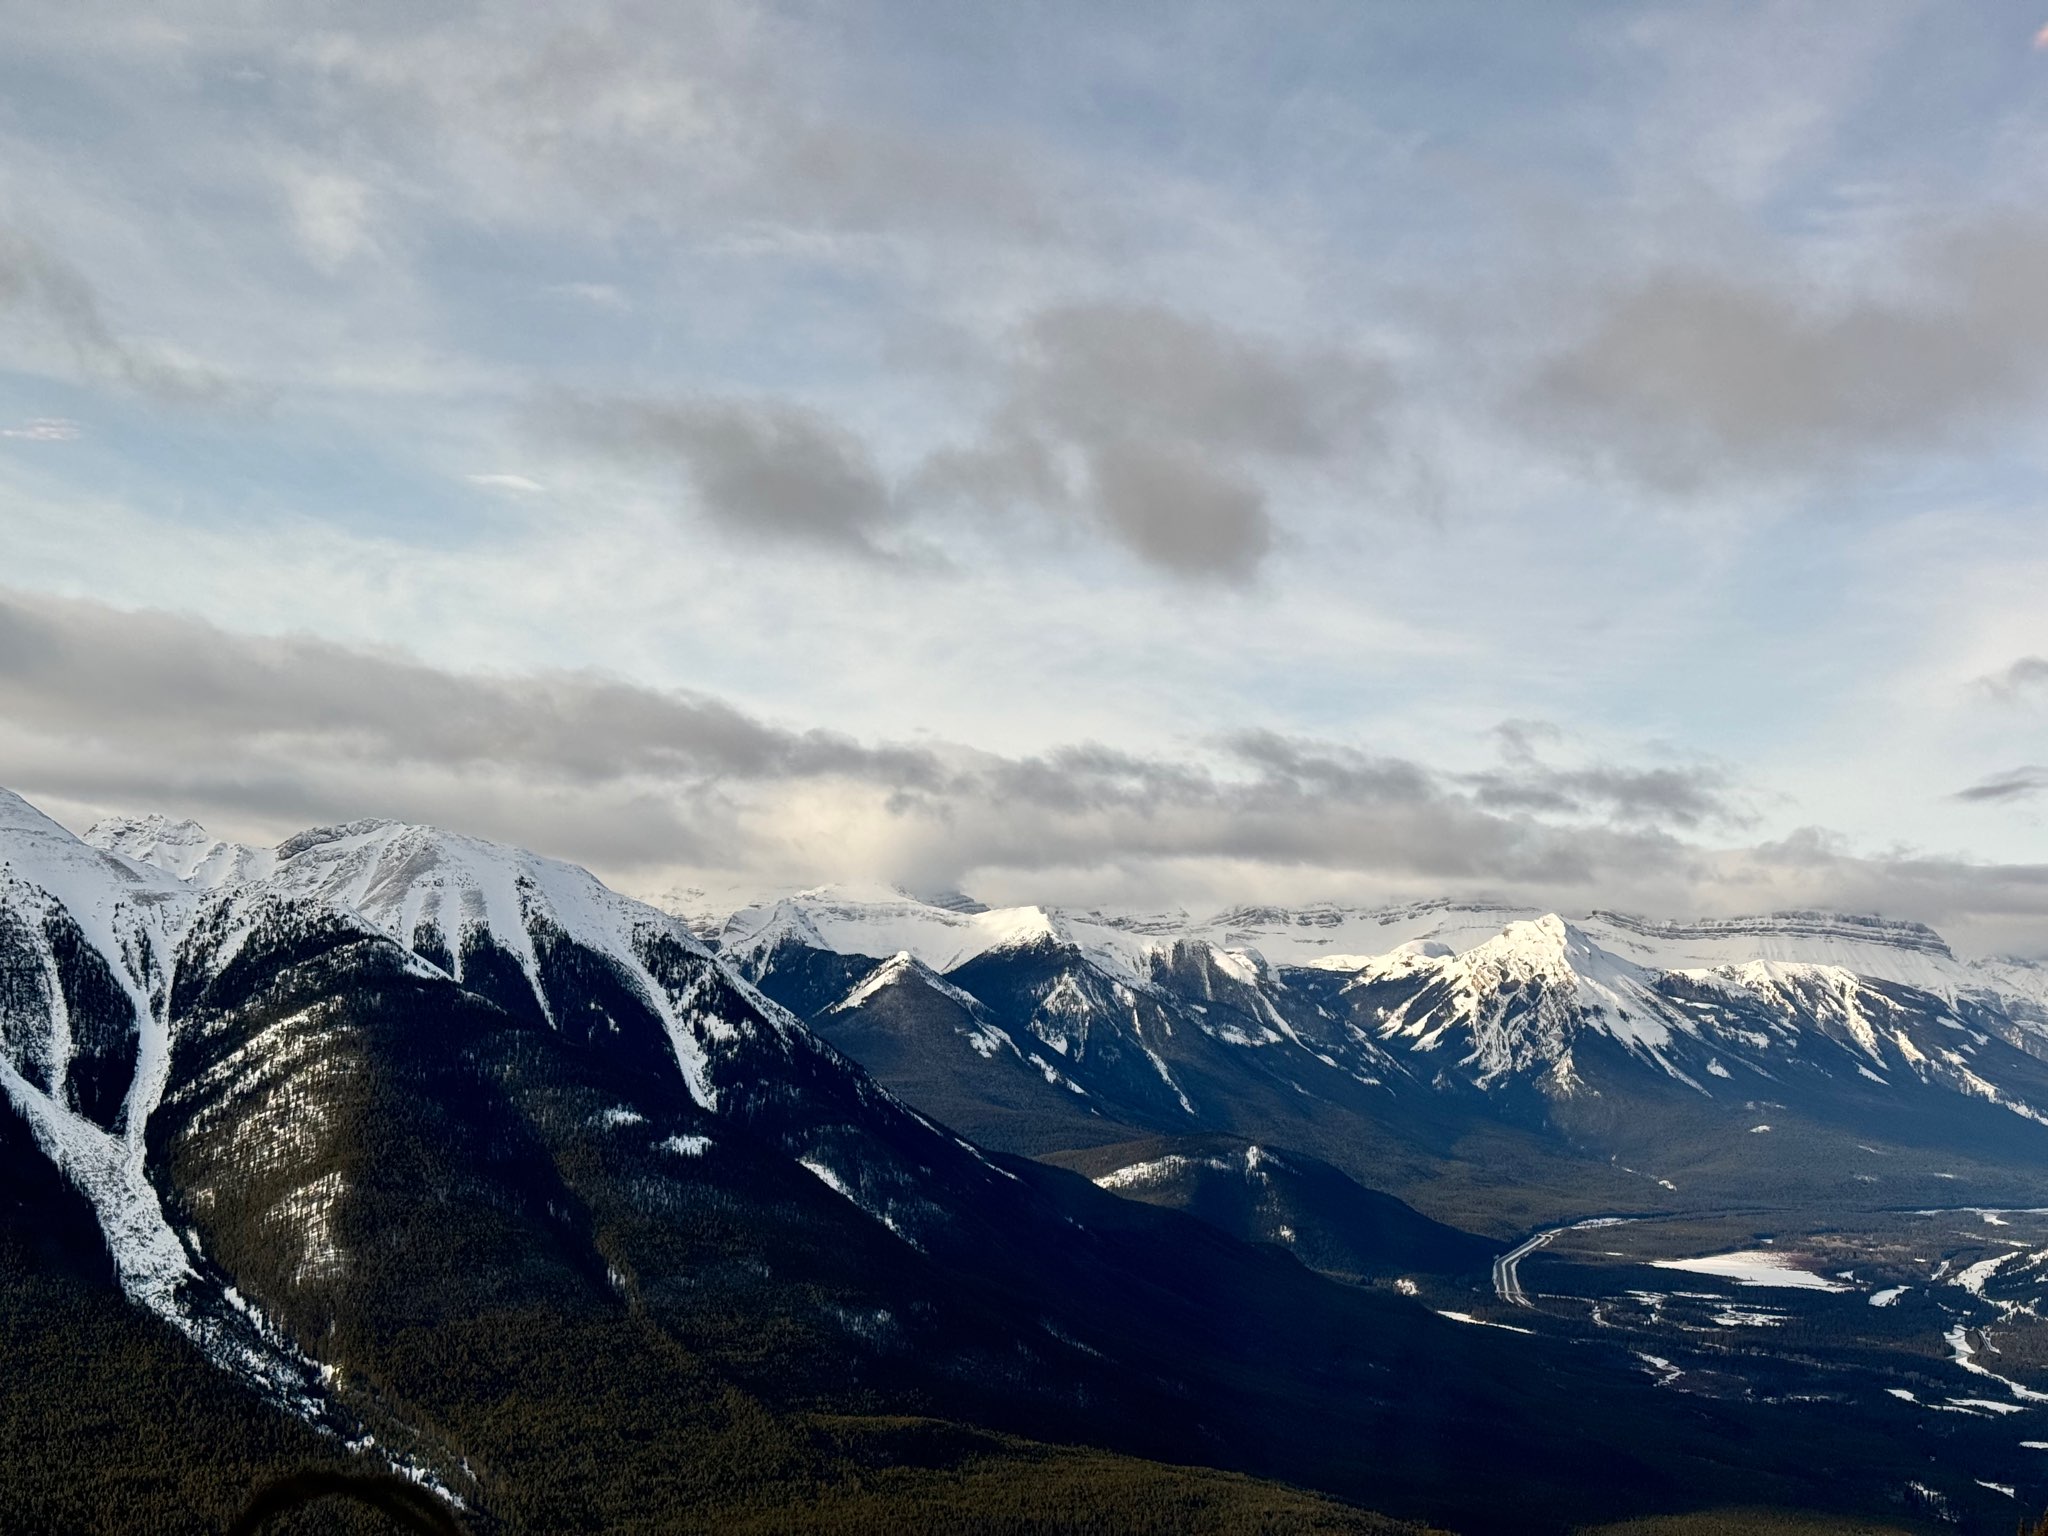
(106, 708)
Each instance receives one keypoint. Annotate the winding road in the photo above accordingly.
(1507, 1279)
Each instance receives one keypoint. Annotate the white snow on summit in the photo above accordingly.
(881, 922)
(1519, 999)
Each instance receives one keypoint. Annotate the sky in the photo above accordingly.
(1145, 455)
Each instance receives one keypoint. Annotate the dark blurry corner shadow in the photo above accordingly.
(408, 1505)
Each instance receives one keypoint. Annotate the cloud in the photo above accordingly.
(607, 296)
(331, 215)
(519, 484)
(2001, 788)
(1676, 797)
(52, 297)
(1518, 738)
(1161, 427)
(44, 429)
(762, 468)
(143, 707)
(1155, 426)
(1989, 908)
(81, 671)
(1688, 797)
(2023, 679)
(718, 113)
(1144, 370)
(1687, 375)
(1178, 509)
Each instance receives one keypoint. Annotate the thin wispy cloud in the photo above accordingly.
(44, 429)
(2002, 788)
(53, 304)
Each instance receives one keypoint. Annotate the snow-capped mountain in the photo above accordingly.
(383, 1117)
(878, 922)
(1398, 1021)
(314, 1090)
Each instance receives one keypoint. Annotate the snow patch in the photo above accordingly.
(1753, 1267)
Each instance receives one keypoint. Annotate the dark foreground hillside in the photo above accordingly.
(110, 1422)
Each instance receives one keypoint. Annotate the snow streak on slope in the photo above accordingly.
(476, 910)
(131, 917)
(441, 894)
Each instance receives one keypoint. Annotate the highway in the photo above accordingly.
(1507, 1279)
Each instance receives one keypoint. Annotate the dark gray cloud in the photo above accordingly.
(80, 671)
(1687, 374)
(1692, 796)
(1686, 797)
(1089, 371)
(2014, 784)
(768, 469)
(1175, 507)
(1156, 427)
(1162, 427)
(1270, 802)
(41, 290)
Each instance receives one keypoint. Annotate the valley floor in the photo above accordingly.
(1921, 1327)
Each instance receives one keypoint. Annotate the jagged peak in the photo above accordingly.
(151, 826)
(50, 856)
(1547, 945)
(1522, 998)
(353, 831)
(898, 969)
(401, 874)
(1020, 927)
(180, 846)
(756, 930)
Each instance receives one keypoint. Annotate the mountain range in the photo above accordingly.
(1595, 1062)
(849, 1211)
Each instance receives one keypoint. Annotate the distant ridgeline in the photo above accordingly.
(1374, 1039)
(392, 1148)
